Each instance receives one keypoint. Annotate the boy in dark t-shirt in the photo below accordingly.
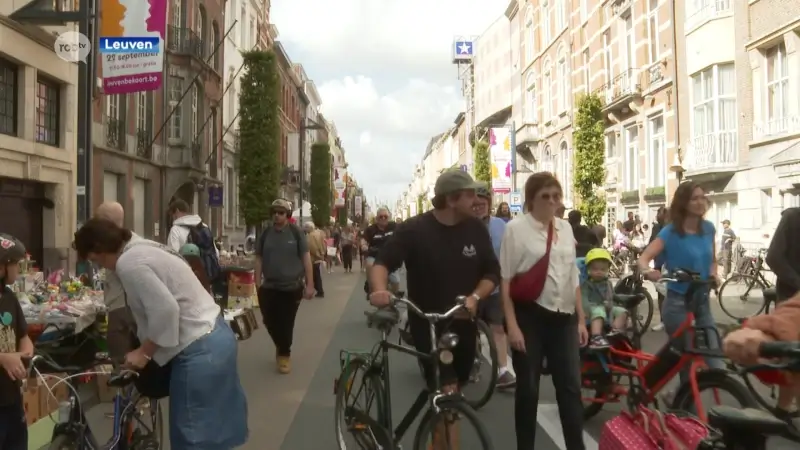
(14, 346)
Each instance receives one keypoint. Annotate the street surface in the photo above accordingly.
(296, 411)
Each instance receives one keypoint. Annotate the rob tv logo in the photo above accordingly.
(129, 45)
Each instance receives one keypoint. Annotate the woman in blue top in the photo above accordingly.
(686, 243)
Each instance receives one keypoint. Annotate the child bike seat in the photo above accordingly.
(746, 421)
(383, 318)
(628, 301)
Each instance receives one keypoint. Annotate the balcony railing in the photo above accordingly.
(713, 151)
(776, 127)
(143, 147)
(186, 41)
(528, 133)
(708, 9)
(623, 86)
(115, 133)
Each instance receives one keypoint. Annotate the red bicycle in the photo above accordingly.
(604, 370)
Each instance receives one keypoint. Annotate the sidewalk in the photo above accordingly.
(273, 399)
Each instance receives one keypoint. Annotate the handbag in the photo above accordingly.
(527, 287)
(651, 430)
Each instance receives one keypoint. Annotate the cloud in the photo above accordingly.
(384, 73)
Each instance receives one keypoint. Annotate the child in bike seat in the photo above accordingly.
(14, 345)
(597, 295)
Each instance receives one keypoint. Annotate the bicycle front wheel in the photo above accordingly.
(742, 296)
(455, 422)
(359, 407)
(483, 379)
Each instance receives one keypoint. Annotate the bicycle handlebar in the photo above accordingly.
(48, 365)
(789, 351)
(433, 317)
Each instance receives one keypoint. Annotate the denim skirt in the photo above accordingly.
(207, 405)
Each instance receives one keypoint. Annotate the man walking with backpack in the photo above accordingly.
(188, 228)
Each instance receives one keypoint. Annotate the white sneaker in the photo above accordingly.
(658, 327)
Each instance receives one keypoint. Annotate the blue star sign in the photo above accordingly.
(463, 49)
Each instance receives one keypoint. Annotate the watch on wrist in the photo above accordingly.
(476, 296)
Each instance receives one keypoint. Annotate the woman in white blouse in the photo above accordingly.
(552, 326)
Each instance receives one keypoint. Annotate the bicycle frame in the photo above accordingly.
(645, 362)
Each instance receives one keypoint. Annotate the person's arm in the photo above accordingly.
(776, 254)
(508, 266)
(308, 267)
(650, 253)
(159, 305)
(712, 271)
(25, 345)
(489, 264)
(391, 257)
(175, 237)
(258, 253)
(782, 324)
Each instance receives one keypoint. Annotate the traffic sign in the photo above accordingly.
(515, 200)
(515, 208)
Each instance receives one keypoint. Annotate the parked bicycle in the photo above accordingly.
(641, 316)
(368, 418)
(748, 428)
(743, 295)
(648, 374)
(137, 421)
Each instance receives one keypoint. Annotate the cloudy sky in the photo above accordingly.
(383, 69)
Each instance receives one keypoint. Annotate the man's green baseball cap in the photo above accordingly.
(454, 180)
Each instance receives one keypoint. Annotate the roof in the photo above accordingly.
(431, 143)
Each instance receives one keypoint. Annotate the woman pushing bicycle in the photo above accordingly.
(688, 243)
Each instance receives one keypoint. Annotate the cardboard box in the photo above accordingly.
(241, 289)
(239, 302)
(244, 277)
(31, 401)
(105, 393)
(48, 402)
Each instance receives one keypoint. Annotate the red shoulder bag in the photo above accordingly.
(527, 287)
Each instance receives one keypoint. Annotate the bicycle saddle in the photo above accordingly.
(382, 318)
(745, 421)
(121, 379)
(628, 301)
(770, 294)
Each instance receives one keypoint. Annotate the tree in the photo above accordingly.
(259, 137)
(343, 213)
(589, 150)
(483, 166)
(321, 192)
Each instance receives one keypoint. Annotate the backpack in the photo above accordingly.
(200, 235)
(298, 235)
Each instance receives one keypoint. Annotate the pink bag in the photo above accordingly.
(651, 430)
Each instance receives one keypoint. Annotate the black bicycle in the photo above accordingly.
(137, 420)
(368, 417)
(641, 315)
(749, 428)
(747, 289)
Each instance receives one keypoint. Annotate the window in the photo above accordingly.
(713, 133)
(200, 24)
(656, 152)
(766, 206)
(547, 160)
(630, 44)
(561, 15)
(112, 106)
(243, 35)
(47, 112)
(545, 24)
(176, 121)
(608, 57)
(230, 191)
(777, 85)
(252, 32)
(217, 51)
(529, 39)
(652, 31)
(584, 10)
(547, 91)
(177, 19)
(611, 145)
(530, 104)
(632, 158)
(141, 111)
(587, 76)
(195, 111)
(8, 98)
(562, 85)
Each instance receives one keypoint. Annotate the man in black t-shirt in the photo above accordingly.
(374, 238)
(14, 345)
(447, 253)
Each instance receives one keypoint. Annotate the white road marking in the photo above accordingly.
(488, 358)
(550, 422)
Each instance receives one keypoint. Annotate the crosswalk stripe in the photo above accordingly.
(550, 422)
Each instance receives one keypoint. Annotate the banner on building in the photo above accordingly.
(500, 156)
(357, 205)
(339, 177)
(338, 197)
(126, 73)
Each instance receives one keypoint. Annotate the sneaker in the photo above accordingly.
(598, 343)
(506, 380)
(658, 326)
(284, 364)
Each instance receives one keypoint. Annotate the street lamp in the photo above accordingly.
(677, 166)
(306, 125)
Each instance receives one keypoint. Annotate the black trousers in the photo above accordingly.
(553, 336)
(347, 256)
(13, 428)
(279, 310)
(318, 278)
